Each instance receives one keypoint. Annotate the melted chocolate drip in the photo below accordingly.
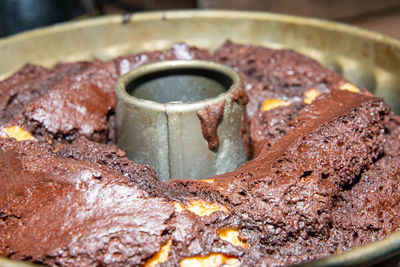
(210, 117)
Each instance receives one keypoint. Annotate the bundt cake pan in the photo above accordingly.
(158, 124)
(367, 59)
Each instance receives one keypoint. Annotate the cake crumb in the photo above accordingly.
(210, 117)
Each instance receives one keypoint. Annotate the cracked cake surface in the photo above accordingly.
(322, 176)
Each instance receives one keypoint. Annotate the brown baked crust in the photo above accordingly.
(276, 74)
(325, 178)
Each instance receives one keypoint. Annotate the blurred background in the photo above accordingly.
(20, 15)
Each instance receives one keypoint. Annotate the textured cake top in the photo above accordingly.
(324, 177)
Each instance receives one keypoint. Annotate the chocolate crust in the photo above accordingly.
(324, 179)
(83, 213)
(275, 74)
(285, 197)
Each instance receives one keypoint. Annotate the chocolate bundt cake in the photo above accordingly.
(322, 177)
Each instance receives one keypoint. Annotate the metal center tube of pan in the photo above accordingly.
(181, 118)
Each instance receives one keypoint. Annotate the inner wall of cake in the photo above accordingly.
(324, 175)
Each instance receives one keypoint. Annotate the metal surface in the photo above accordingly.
(367, 59)
(167, 134)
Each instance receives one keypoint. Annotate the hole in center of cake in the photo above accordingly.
(184, 85)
